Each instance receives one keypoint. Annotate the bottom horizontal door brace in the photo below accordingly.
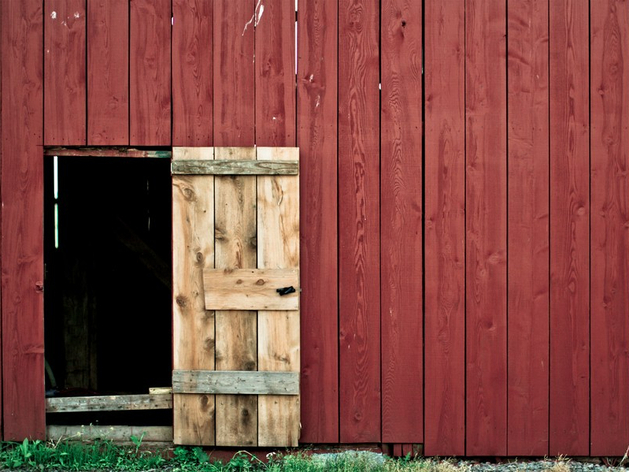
(235, 382)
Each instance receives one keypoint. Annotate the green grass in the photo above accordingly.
(73, 455)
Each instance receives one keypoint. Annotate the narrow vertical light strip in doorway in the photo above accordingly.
(55, 164)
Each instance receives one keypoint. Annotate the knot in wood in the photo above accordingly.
(182, 301)
(260, 282)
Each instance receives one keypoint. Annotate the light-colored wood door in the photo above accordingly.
(236, 296)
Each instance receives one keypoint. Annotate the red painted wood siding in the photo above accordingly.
(107, 72)
(463, 214)
(528, 187)
(486, 243)
(444, 228)
(317, 138)
(569, 229)
(22, 220)
(359, 222)
(609, 121)
(401, 291)
(192, 72)
(65, 71)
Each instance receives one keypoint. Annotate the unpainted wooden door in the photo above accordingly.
(236, 296)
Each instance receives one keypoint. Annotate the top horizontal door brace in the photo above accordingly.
(234, 167)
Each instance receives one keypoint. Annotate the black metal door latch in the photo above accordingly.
(285, 290)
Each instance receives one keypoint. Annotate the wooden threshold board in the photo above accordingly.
(109, 403)
(117, 433)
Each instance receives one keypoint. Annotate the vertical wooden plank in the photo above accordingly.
(65, 73)
(192, 72)
(278, 331)
(278, 417)
(149, 117)
(359, 221)
(528, 243)
(22, 220)
(234, 115)
(569, 228)
(275, 73)
(108, 72)
(317, 138)
(609, 254)
(233, 65)
(237, 331)
(486, 221)
(444, 250)
(401, 221)
(193, 326)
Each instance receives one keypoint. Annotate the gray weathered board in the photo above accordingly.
(236, 382)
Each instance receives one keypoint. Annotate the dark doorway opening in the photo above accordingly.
(107, 298)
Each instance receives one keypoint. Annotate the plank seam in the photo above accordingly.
(423, 215)
(506, 446)
(338, 220)
(589, 89)
(465, 224)
(550, 292)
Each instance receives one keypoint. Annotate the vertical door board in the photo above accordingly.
(235, 239)
(278, 331)
(193, 250)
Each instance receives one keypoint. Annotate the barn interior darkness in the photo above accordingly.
(107, 298)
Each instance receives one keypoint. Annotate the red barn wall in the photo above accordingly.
(464, 196)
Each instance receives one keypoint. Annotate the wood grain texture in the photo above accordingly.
(486, 222)
(192, 72)
(22, 220)
(193, 326)
(108, 72)
(237, 331)
(236, 167)
(444, 238)
(528, 244)
(317, 139)
(109, 403)
(118, 434)
(233, 69)
(278, 331)
(609, 251)
(569, 229)
(65, 80)
(234, 121)
(401, 221)
(250, 289)
(104, 151)
(359, 221)
(149, 84)
(275, 73)
(236, 382)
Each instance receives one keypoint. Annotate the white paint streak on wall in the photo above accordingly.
(53, 15)
(77, 15)
(255, 18)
